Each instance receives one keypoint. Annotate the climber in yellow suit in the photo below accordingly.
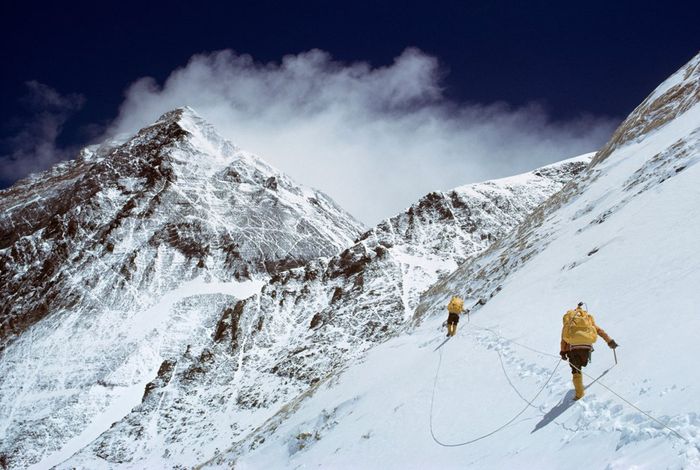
(578, 334)
(454, 308)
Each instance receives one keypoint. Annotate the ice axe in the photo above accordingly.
(613, 345)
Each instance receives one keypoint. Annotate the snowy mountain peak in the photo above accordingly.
(187, 118)
(308, 322)
(176, 183)
(191, 144)
(178, 114)
(124, 258)
(200, 133)
(196, 147)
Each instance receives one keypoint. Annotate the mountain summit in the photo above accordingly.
(307, 324)
(173, 202)
(113, 261)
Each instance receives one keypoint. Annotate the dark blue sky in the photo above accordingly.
(600, 58)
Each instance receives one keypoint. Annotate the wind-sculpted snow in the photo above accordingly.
(308, 323)
(122, 259)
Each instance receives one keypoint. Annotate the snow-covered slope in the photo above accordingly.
(623, 237)
(309, 322)
(114, 262)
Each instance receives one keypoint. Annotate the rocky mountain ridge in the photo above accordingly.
(170, 293)
(112, 262)
(309, 323)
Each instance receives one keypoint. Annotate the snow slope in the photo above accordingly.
(125, 336)
(309, 322)
(125, 257)
(624, 239)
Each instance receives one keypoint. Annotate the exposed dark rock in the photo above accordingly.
(187, 237)
(315, 321)
(436, 201)
(310, 274)
(348, 263)
(271, 183)
(232, 175)
(228, 324)
(337, 294)
(282, 265)
(380, 251)
(165, 372)
(359, 281)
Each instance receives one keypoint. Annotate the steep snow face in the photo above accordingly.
(623, 238)
(310, 322)
(125, 257)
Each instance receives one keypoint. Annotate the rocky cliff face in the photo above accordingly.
(310, 322)
(115, 262)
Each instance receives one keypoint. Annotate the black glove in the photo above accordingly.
(612, 344)
(563, 355)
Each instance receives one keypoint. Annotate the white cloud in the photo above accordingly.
(374, 139)
(34, 147)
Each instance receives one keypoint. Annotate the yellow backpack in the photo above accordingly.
(456, 305)
(579, 328)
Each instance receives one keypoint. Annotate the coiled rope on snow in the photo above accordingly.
(597, 380)
(529, 402)
(483, 436)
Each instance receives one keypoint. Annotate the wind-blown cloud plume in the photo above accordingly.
(33, 148)
(375, 139)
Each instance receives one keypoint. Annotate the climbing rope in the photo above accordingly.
(516, 343)
(595, 380)
(632, 405)
(510, 382)
(538, 352)
(484, 436)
